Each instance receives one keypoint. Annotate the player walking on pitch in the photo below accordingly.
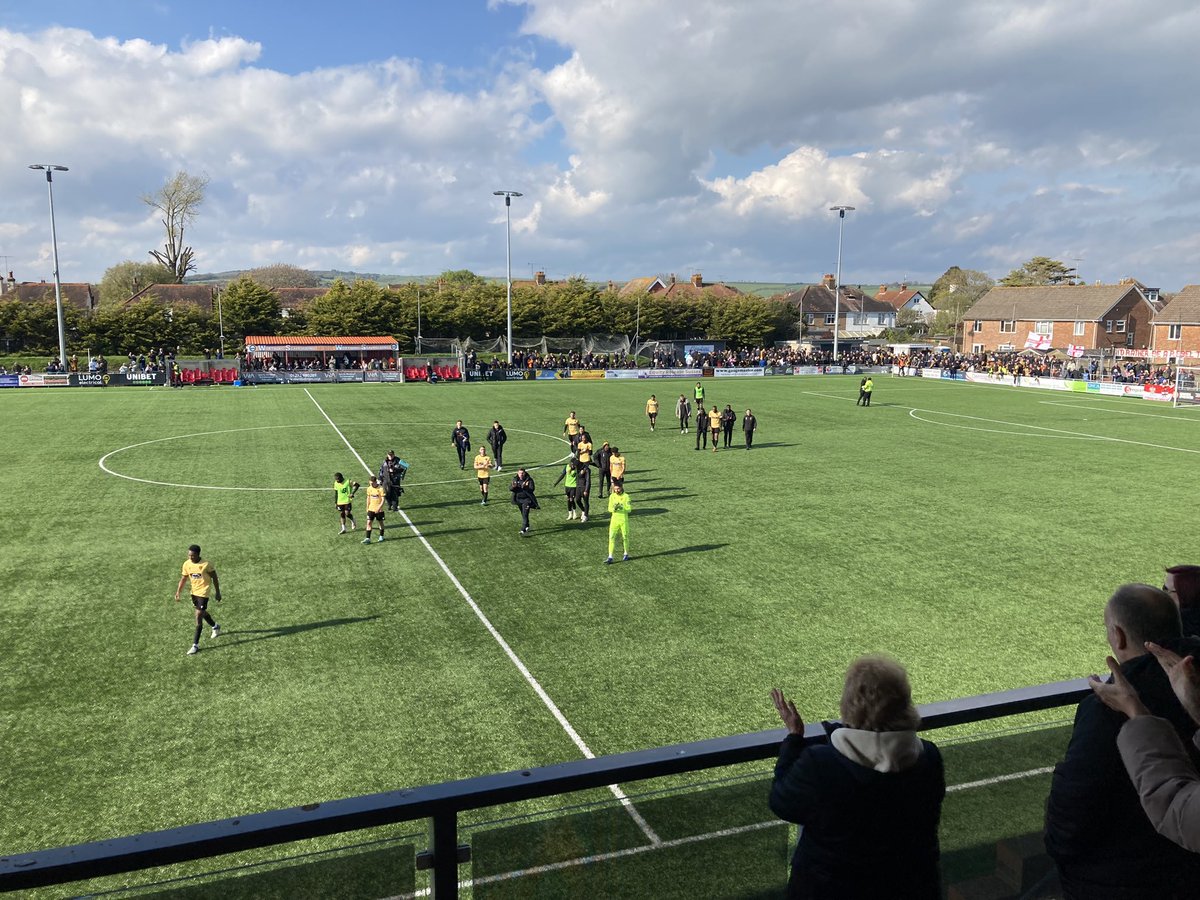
(375, 498)
(619, 507)
(343, 495)
(483, 471)
(202, 576)
(683, 409)
(652, 410)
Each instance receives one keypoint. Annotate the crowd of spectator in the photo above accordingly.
(1123, 812)
(332, 363)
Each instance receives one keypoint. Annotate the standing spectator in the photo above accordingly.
(862, 392)
(683, 410)
(496, 439)
(460, 438)
(616, 466)
(1096, 831)
(483, 472)
(652, 410)
(1165, 777)
(869, 800)
(391, 473)
(749, 426)
(867, 388)
(523, 497)
(1183, 585)
(604, 464)
(202, 576)
(619, 507)
(728, 420)
(714, 425)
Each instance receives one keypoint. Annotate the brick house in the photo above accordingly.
(856, 316)
(1096, 317)
(201, 295)
(1177, 326)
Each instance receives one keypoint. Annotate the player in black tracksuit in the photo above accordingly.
(496, 439)
(702, 426)
(461, 439)
(728, 420)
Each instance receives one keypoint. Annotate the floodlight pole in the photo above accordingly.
(221, 323)
(49, 169)
(508, 195)
(837, 281)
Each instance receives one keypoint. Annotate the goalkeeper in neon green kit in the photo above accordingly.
(619, 507)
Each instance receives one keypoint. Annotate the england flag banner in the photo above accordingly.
(1075, 350)
(1037, 341)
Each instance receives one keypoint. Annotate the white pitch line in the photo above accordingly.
(999, 779)
(654, 839)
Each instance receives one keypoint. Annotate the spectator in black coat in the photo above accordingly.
(603, 457)
(496, 439)
(869, 801)
(1096, 830)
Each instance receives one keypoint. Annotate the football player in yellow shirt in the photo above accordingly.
(202, 576)
(571, 429)
(714, 424)
(483, 471)
(652, 410)
(376, 496)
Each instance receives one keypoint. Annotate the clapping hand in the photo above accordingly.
(788, 712)
(1185, 681)
(1120, 695)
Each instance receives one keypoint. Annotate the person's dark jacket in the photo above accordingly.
(496, 438)
(603, 455)
(522, 491)
(702, 418)
(460, 437)
(1190, 616)
(749, 423)
(728, 418)
(1096, 829)
(867, 834)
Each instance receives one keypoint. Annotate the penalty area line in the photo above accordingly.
(654, 839)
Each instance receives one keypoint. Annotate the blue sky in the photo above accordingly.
(648, 136)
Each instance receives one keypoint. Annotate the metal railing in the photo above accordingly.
(441, 803)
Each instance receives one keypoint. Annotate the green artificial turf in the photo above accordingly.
(972, 531)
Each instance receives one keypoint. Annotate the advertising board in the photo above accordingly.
(586, 374)
(738, 373)
(10, 381)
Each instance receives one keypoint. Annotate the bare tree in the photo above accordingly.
(177, 200)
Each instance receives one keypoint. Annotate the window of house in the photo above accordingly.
(810, 319)
(1120, 326)
(1008, 326)
(977, 327)
(1004, 348)
(883, 318)
(1079, 328)
(285, 313)
(830, 319)
(1045, 328)
(1108, 326)
(977, 348)
(1174, 332)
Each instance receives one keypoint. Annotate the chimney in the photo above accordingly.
(882, 290)
(697, 280)
(827, 281)
(539, 277)
(671, 279)
(903, 286)
(612, 285)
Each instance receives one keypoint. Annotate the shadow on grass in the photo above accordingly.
(445, 504)
(264, 634)
(695, 548)
(764, 444)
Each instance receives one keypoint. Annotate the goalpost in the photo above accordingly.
(1187, 386)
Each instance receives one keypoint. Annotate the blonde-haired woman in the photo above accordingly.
(869, 800)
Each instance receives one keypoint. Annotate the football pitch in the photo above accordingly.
(972, 531)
